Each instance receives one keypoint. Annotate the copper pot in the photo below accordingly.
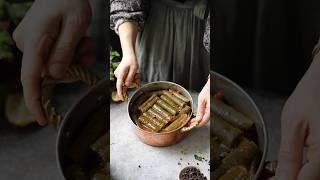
(162, 138)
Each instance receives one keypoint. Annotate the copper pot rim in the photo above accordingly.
(178, 130)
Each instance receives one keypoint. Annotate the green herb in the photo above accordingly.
(18, 10)
(114, 62)
(3, 10)
(199, 158)
(6, 47)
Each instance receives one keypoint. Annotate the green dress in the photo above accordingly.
(170, 46)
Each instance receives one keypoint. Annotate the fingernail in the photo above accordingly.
(57, 70)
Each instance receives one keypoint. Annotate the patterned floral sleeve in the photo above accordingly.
(127, 10)
(206, 37)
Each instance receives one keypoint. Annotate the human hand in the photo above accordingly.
(300, 128)
(127, 71)
(203, 110)
(48, 37)
(126, 74)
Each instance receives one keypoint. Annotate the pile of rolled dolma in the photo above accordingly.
(163, 111)
(235, 156)
(101, 147)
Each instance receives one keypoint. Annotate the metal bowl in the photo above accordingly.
(236, 96)
(153, 138)
(86, 121)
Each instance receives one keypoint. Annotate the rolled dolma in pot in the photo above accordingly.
(177, 123)
(227, 133)
(253, 167)
(167, 107)
(235, 173)
(219, 150)
(231, 115)
(174, 99)
(180, 96)
(149, 103)
(244, 154)
(163, 112)
(169, 101)
(101, 147)
(154, 120)
(156, 114)
(144, 120)
(144, 127)
(186, 109)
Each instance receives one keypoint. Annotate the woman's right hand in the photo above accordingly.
(49, 36)
(126, 73)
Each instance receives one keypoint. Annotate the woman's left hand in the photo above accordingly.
(203, 110)
(299, 154)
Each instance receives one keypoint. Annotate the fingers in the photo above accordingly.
(73, 29)
(137, 78)
(131, 76)
(120, 74)
(203, 112)
(291, 148)
(206, 116)
(200, 111)
(32, 64)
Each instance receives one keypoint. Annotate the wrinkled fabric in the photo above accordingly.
(136, 11)
(172, 48)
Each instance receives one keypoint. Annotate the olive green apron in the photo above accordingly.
(170, 47)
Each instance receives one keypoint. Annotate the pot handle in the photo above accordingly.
(191, 126)
(269, 169)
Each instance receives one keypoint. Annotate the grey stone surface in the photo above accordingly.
(127, 152)
(28, 155)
